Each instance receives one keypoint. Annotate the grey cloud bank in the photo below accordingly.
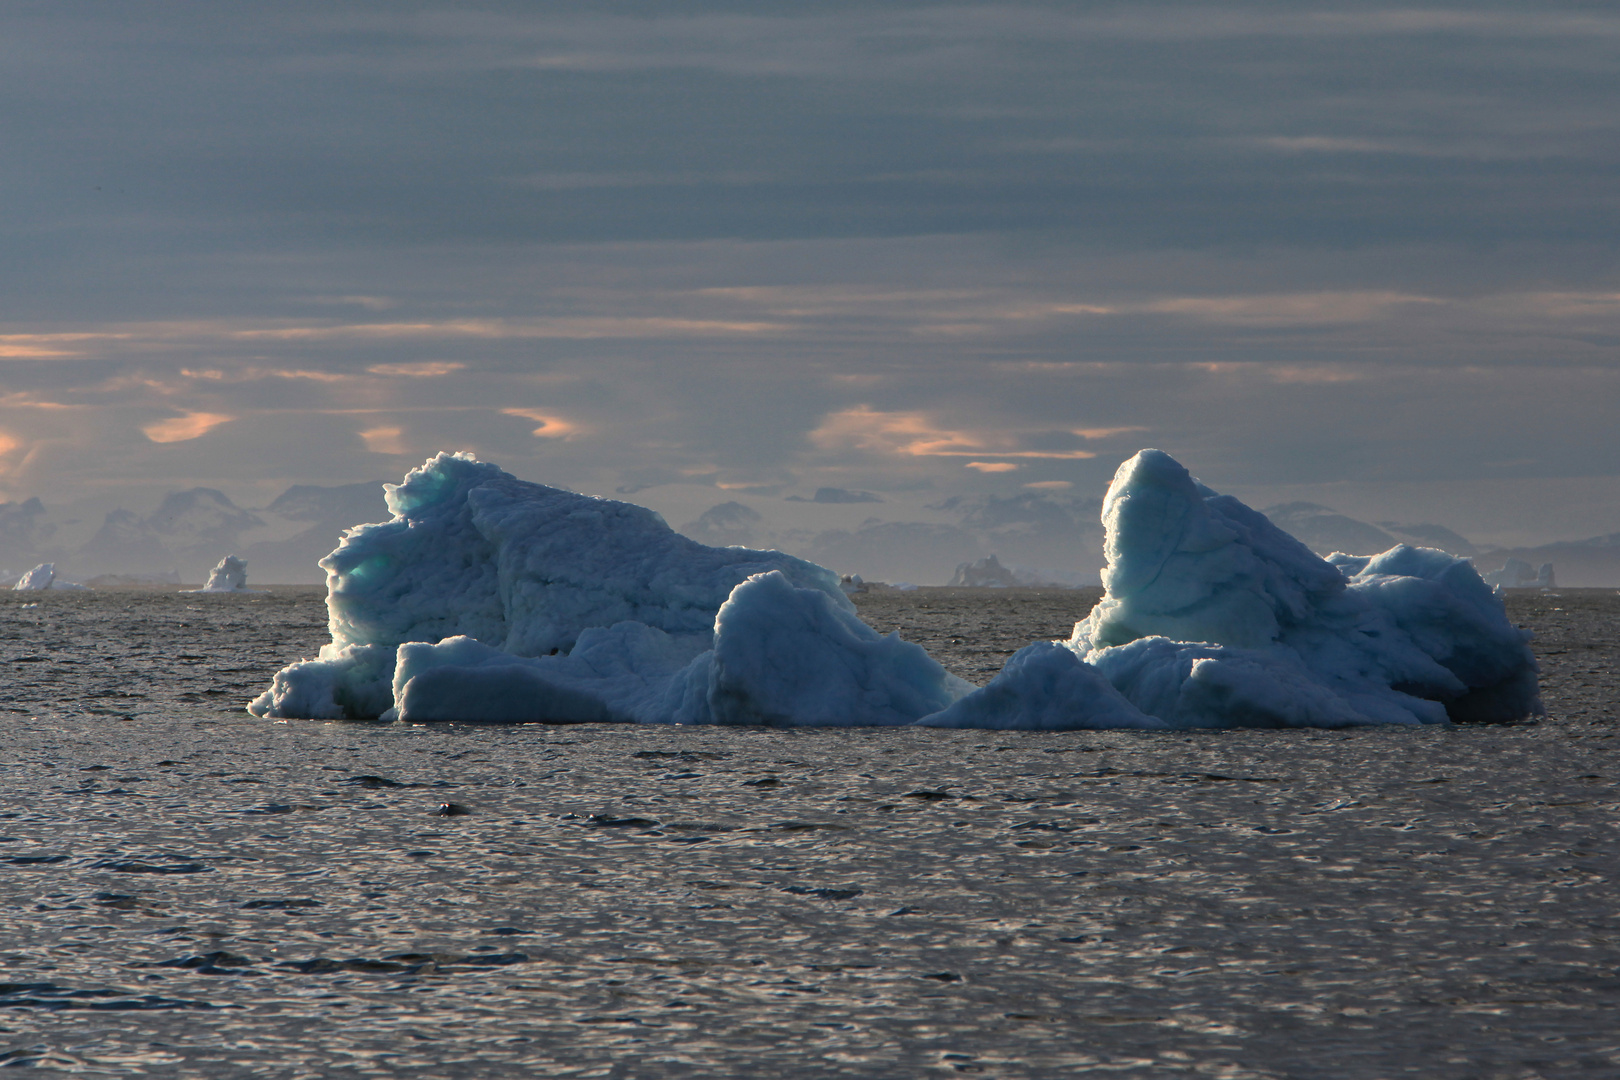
(1363, 258)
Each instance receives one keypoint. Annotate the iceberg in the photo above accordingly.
(1518, 574)
(487, 598)
(229, 576)
(781, 655)
(44, 577)
(38, 579)
(985, 573)
(989, 573)
(489, 587)
(1213, 617)
(1412, 635)
(1044, 687)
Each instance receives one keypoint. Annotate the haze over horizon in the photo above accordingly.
(1362, 255)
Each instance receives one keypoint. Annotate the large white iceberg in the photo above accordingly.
(488, 598)
(1214, 617)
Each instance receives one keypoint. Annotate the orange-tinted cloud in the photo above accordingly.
(1291, 309)
(192, 425)
(254, 374)
(914, 434)
(426, 369)
(384, 440)
(581, 328)
(551, 427)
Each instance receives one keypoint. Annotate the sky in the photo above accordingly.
(1360, 254)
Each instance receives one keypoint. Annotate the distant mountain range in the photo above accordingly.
(1060, 535)
(283, 542)
(1576, 563)
(1325, 531)
(192, 530)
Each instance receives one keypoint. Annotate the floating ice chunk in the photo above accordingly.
(37, 579)
(782, 656)
(1454, 619)
(990, 573)
(1194, 685)
(346, 683)
(1517, 574)
(791, 657)
(1411, 635)
(620, 673)
(1044, 687)
(230, 575)
(1514, 573)
(985, 573)
(44, 577)
(523, 568)
(463, 679)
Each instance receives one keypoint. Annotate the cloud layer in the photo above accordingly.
(983, 248)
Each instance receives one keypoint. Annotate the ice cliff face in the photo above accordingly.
(487, 598)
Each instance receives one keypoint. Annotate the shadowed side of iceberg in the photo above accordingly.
(523, 568)
(782, 656)
(1248, 627)
(790, 657)
(1044, 687)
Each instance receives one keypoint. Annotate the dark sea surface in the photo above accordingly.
(188, 890)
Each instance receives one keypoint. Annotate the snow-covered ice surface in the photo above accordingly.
(229, 576)
(488, 598)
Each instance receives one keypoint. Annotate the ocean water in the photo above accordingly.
(187, 890)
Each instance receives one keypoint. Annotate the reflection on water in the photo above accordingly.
(188, 888)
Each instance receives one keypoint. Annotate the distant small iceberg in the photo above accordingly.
(985, 573)
(229, 576)
(43, 577)
(1517, 574)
